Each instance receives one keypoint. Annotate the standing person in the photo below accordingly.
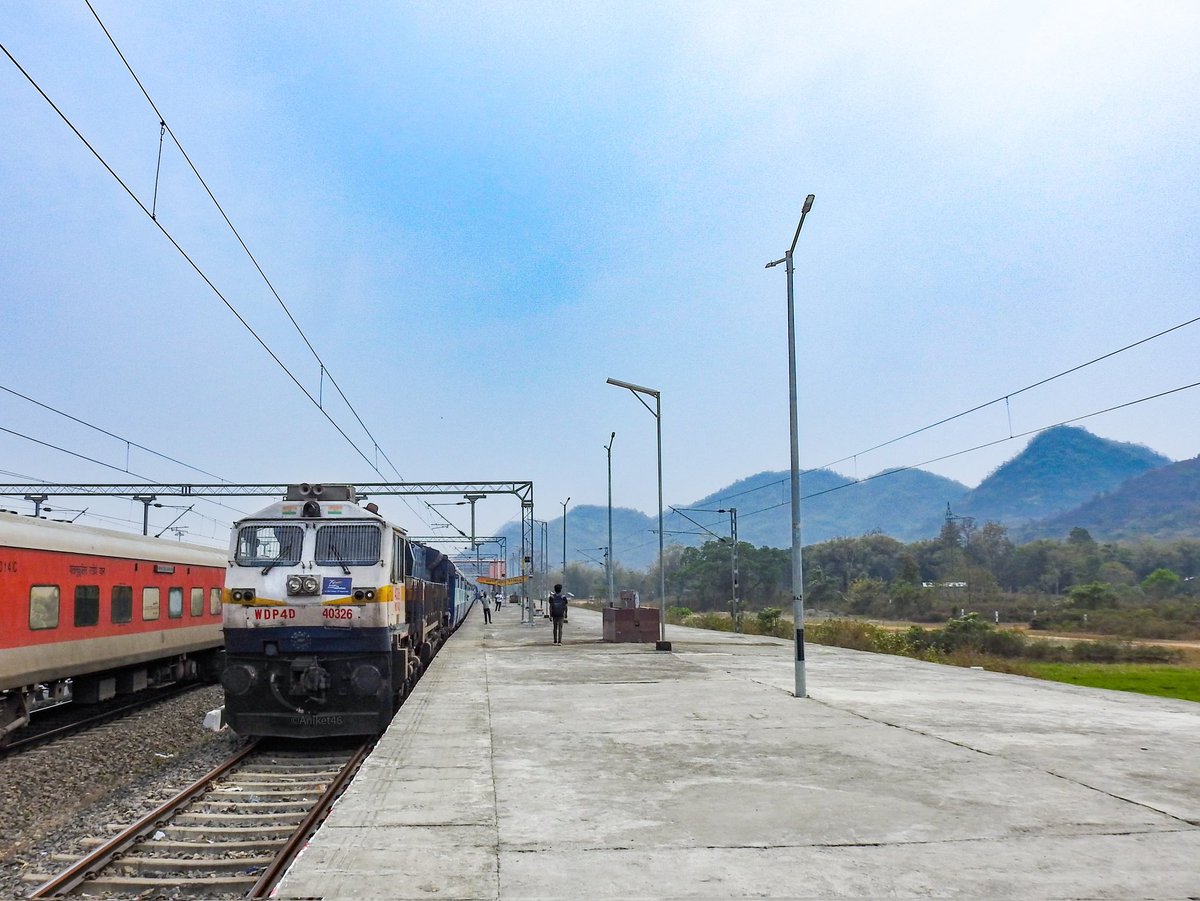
(487, 610)
(558, 612)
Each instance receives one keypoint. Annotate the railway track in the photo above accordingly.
(70, 722)
(231, 833)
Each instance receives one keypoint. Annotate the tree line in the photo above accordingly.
(1136, 588)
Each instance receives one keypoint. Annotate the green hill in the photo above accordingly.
(1060, 469)
(1162, 504)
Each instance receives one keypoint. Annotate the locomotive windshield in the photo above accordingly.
(269, 545)
(352, 544)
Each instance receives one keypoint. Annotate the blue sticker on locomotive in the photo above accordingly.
(336, 586)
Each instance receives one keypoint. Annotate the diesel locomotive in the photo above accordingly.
(331, 614)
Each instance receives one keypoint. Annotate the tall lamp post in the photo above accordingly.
(662, 644)
(564, 506)
(733, 539)
(797, 564)
(608, 562)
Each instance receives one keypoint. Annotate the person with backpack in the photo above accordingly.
(558, 612)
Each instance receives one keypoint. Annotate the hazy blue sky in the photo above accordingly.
(480, 211)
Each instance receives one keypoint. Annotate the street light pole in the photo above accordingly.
(564, 506)
(732, 511)
(608, 561)
(638, 390)
(797, 563)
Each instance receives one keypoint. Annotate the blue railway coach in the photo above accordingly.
(330, 616)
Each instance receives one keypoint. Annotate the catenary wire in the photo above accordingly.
(852, 483)
(324, 368)
(325, 371)
(201, 273)
(1011, 394)
(186, 256)
(104, 431)
(237, 235)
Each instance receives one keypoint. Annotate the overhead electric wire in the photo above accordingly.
(325, 371)
(1011, 394)
(899, 469)
(185, 255)
(203, 275)
(110, 434)
(986, 444)
(126, 471)
(237, 235)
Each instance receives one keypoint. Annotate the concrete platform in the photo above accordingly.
(519, 769)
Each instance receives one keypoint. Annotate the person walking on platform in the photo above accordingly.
(487, 609)
(558, 612)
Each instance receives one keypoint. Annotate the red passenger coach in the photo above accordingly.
(110, 611)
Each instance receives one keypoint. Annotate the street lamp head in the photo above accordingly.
(808, 202)
(632, 387)
(774, 263)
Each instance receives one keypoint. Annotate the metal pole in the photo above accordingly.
(564, 506)
(663, 644)
(797, 562)
(147, 500)
(737, 619)
(609, 558)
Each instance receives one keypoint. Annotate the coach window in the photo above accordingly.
(150, 603)
(174, 602)
(87, 605)
(197, 602)
(43, 607)
(122, 603)
(214, 600)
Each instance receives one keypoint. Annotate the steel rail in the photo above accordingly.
(309, 825)
(71, 878)
(88, 722)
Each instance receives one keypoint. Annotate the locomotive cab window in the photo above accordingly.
(43, 606)
(150, 603)
(269, 545)
(122, 603)
(87, 605)
(351, 544)
(197, 602)
(174, 602)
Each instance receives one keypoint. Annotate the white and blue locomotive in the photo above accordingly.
(330, 616)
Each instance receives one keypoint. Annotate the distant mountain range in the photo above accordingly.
(1065, 477)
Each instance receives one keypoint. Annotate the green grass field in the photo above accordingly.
(1165, 681)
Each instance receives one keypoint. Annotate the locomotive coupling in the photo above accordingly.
(309, 677)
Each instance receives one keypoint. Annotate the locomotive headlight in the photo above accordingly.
(311, 585)
(238, 678)
(295, 585)
(366, 680)
(242, 594)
